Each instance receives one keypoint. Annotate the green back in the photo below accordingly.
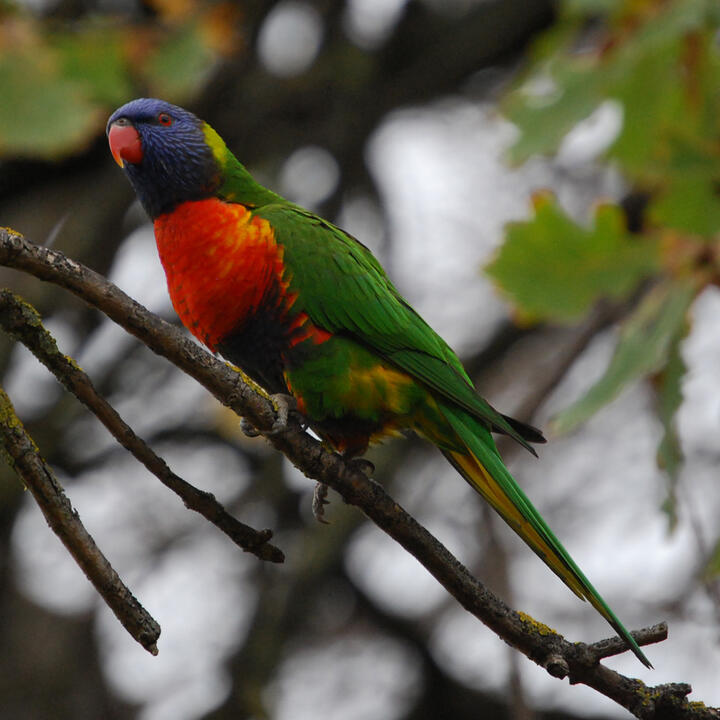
(343, 289)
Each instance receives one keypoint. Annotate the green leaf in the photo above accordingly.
(663, 72)
(61, 123)
(647, 340)
(652, 96)
(554, 269)
(59, 83)
(668, 391)
(665, 79)
(570, 94)
(179, 66)
(689, 203)
(95, 58)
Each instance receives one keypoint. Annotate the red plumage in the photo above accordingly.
(222, 265)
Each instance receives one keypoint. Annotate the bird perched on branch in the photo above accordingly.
(307, 311)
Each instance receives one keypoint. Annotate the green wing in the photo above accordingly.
(343, 289)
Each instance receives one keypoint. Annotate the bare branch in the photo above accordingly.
(22, 454)
(616, 646)
(538, 642)
(21, 320)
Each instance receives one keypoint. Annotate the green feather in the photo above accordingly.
(501, 490)
(343, 289)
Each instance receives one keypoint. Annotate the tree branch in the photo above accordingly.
(616, 646)
(21, 321)
(22, 454)
(577, 661)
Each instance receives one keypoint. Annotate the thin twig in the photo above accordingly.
(21, 320)
(22, 454)
(535, 640)
(616, 646)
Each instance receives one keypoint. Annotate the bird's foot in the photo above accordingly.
(284, 406)
(362, 465)
(248, 429)
(321, 489)
(319, 502)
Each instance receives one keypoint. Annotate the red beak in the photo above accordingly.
(125, 144)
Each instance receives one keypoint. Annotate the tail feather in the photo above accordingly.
(481, 465)
(525, 431)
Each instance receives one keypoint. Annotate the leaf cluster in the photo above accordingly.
(658, 65)
(81, 71)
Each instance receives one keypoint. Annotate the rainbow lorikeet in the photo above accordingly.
(306, 310)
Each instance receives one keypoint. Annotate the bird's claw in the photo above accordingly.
(284, 405)
(321, 489)
(319, 502)
(362, 465)
(248, 429)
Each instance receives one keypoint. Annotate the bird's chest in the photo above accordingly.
(223, 267)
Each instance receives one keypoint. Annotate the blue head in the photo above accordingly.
(165, 153)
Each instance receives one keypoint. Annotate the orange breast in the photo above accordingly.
(221, 264)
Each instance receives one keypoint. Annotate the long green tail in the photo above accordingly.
(483, 468)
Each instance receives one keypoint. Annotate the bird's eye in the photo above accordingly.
(164, 119)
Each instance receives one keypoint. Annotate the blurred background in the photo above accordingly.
(541, 181)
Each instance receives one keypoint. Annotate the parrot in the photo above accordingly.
(308, 312)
